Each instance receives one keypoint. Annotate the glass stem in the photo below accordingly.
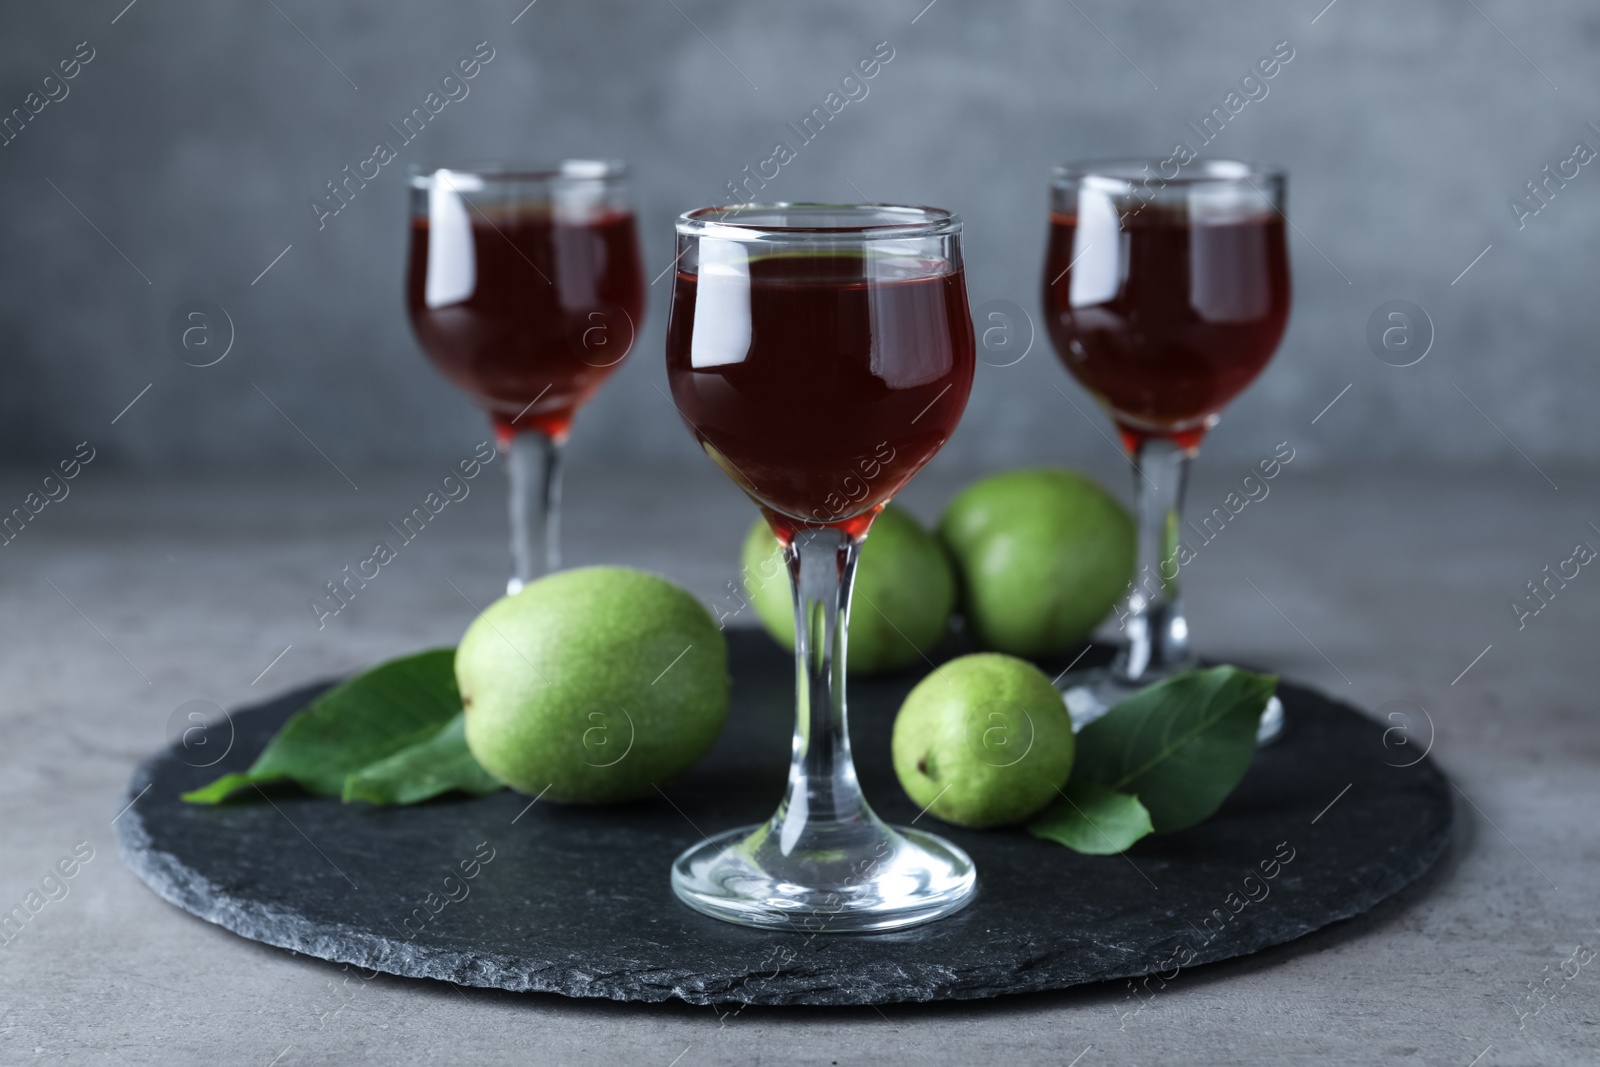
(823, 790)
(1158, 633)
(533, 463)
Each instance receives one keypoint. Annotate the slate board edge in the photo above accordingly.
(181, 886)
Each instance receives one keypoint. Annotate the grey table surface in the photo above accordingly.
(132, 597)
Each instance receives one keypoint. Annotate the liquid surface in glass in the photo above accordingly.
(820, 381)
(521, 307)
(1166, 317)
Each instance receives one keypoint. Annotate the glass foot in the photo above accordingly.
(1091, 693)
(852, 877)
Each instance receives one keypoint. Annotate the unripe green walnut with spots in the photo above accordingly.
(593, 685)
(904, 593)
(985, 740)
(1043, 556)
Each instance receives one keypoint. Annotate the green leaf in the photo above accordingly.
(424, 770)
(1180, 745)
(372, 716)
(218, 791)
(1093, 819)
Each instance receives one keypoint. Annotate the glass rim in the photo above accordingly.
(921, 221)
(565, 170)
(1204, 172)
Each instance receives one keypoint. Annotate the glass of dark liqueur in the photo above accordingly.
(821, 354)
(525, 287)
(1165, 297)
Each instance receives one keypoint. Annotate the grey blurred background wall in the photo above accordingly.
(186, 153)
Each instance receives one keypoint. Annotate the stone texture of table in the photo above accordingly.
(132, 597)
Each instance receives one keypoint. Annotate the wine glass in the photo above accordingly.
(525, 288)
(1164, 297)
(821, 354)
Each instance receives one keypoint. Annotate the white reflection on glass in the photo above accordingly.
(452, 268)
(721, 305)
(1098, 257)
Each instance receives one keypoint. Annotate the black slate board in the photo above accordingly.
(576, 900)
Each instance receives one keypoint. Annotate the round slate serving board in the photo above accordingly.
(1328, 822)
